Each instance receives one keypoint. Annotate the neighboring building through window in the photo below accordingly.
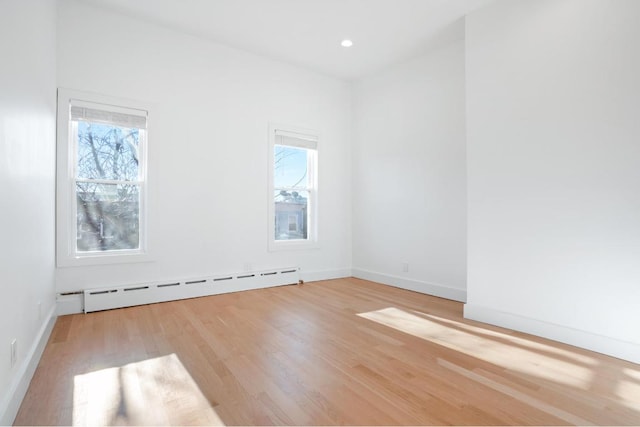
(293, 188)
(293, 221)
(101, 179)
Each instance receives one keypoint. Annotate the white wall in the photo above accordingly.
(27, 175)
(553, 109)
(409, 188)
(208, 146)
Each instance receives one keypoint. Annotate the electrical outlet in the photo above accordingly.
(14, 352)
(247, 266)
(405, 267)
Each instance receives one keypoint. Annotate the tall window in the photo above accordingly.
(293, 189)
(102, 151)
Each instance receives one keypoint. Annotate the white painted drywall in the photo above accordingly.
(208, 146)
(553, 142)
(27, 176)
(409, 188)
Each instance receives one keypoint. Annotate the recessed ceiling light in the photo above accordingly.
(346, 43)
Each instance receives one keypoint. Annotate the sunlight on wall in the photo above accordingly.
(540, 361)
(156, 391)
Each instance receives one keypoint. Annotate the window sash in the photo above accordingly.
(309, 182)
(142, 140)
(100, 229)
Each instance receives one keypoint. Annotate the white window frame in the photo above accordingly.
(310, 140)
(66, 158)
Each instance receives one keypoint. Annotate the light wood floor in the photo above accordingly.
(336, 352)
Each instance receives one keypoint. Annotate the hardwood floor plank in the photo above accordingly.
(335, 352)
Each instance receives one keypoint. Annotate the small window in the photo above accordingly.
(101, 179)
(293, 223)
(292, 188)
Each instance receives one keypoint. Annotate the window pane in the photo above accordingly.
(291, 214)
(107, 217)
(107, 152)
(290, 167)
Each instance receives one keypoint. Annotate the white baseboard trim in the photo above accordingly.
(316, 276)
(12, 399)
(576, 337)
(434, 289)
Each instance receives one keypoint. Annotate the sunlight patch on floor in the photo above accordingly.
(633, 374)
(527, 361)
(156, 391)
(628, 389)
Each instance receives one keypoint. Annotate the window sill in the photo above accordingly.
(288, 245)
(102, 259)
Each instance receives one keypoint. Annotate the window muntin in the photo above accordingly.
(101, 180)
(293, 189)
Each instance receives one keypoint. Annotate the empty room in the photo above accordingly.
(320, 212)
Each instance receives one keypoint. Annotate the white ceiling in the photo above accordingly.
(308, 32)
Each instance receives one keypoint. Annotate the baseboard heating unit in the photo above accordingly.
(148, 293)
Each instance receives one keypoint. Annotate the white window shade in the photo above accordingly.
(293, 139)
(119, 117)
